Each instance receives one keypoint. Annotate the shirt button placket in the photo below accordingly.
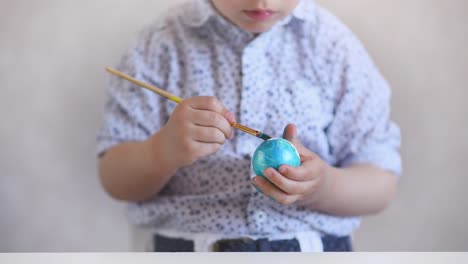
(247, 108)
(257, 218)
(250, 110)
(260, 217)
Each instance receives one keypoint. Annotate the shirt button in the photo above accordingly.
(260, 217)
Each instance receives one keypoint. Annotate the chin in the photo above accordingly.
(257, 29)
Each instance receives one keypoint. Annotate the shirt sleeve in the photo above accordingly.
(361, 131)
(131, 112)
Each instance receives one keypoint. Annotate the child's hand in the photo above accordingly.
(198, 127)
(290, 185)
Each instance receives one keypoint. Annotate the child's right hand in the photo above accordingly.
(198, 127)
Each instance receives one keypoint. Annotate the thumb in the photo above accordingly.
(290, 134)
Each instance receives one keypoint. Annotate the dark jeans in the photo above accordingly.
(330, 244)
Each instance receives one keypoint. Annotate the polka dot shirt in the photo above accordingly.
(309, 70)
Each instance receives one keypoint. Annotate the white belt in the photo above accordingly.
(309, 241)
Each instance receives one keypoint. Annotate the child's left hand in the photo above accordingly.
(295, 185)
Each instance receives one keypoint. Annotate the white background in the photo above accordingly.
(52, 55)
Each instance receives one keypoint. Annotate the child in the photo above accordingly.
(264, 64)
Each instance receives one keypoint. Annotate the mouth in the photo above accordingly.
(259, 14)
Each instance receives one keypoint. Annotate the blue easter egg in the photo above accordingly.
(274, 153)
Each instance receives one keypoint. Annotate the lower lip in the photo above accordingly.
(259, 15)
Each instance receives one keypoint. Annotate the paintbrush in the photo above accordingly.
(176, 99)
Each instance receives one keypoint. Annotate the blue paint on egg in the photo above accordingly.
(274, 153)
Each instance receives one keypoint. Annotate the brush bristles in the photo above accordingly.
(264, 136)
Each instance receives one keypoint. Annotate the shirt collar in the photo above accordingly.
(200, 12)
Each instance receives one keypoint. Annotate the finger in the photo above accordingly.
(273, 192)
(305, 172)
(211, 119)
(230, 117)
(194, 150)
(290, 133)
(285, 184)
(208, 135)
(209, 103)
(205, 149)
